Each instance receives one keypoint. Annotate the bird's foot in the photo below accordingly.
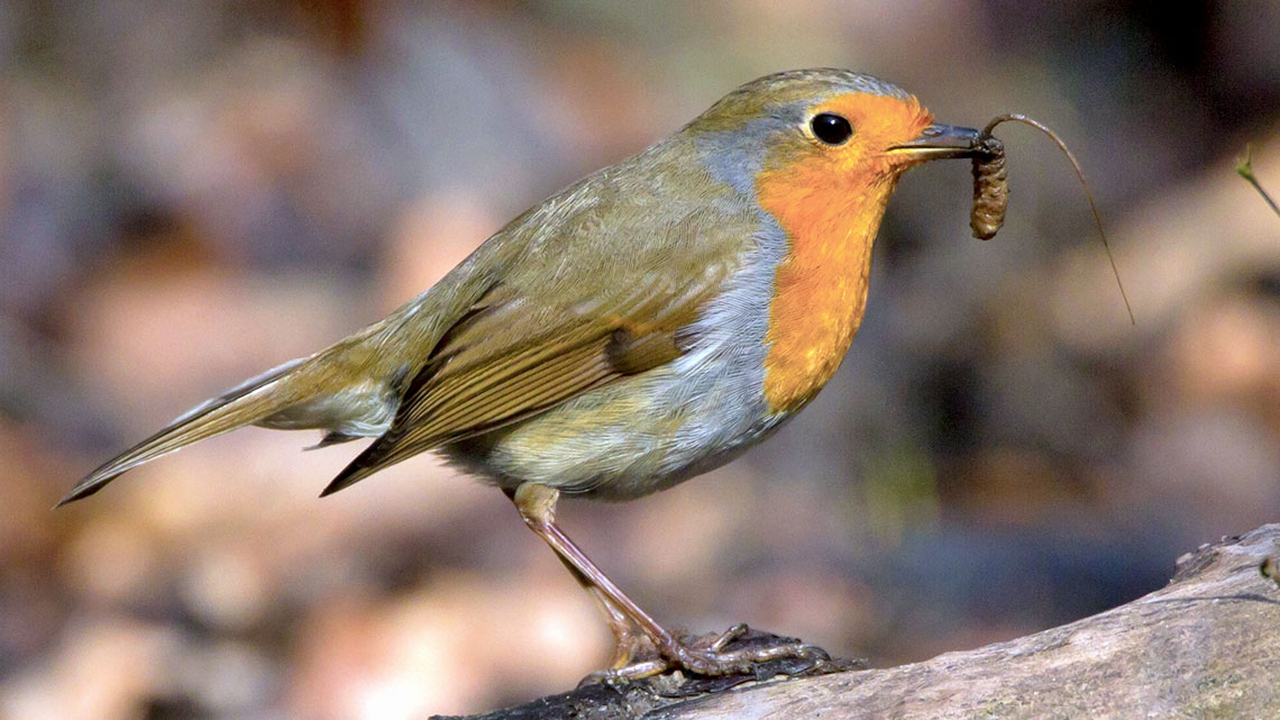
(735, 652)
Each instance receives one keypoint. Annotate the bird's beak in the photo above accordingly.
(939, 142)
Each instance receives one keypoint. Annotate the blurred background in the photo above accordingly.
(193, 192)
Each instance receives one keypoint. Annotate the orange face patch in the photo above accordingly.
(829, 200)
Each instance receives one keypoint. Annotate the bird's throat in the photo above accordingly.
(820, 288)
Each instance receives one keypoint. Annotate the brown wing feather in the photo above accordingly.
(473, 385)
(509, 357)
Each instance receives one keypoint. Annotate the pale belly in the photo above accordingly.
(636, 436)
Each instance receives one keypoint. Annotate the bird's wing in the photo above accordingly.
(515, 353)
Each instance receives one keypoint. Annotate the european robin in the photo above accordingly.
(645, 325)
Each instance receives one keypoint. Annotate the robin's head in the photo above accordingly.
(839, 130)
(820, 152)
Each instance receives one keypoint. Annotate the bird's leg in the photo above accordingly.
(536, 505)
(628, 642)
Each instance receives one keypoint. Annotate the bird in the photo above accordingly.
(643, 326)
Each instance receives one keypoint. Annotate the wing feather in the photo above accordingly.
(511, 356)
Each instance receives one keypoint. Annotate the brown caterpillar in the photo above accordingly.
(991, 187)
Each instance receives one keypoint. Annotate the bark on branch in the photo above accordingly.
(1206, 645)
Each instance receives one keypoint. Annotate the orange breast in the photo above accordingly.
(830, 209)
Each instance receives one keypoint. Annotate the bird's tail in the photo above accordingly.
(250, 402)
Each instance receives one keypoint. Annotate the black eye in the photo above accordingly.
(830, 128)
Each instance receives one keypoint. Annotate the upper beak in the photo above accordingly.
(939, 142)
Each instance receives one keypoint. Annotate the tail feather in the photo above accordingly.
(243, 405)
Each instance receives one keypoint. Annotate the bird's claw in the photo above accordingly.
(711, 658)
(728, 636)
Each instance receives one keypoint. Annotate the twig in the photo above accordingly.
(1244, 167)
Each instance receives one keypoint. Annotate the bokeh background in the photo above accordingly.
(193, 192)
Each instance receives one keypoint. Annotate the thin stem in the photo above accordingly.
(1244, 168)
(1097, 218)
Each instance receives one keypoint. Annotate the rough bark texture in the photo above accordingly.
(1205, 646)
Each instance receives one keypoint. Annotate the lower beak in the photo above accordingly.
(939, 142)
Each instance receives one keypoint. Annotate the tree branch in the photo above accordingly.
(1206, 645)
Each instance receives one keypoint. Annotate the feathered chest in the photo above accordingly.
(820, 287)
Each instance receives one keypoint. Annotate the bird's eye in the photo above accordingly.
(830, 128)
